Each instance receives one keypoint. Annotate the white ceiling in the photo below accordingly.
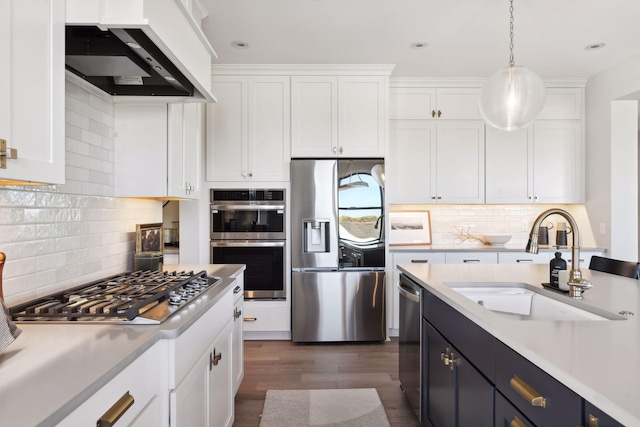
(466, 38)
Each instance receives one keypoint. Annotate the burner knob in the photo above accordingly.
(175, 298)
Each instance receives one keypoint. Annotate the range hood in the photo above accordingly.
(139, 50)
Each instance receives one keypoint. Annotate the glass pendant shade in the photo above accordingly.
(512, 98)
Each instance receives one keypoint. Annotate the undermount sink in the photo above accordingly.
(521, 301)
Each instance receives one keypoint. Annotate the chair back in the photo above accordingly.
(615, 266)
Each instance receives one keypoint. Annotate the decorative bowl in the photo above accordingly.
(495, 239)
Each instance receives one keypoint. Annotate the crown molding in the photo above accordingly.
(395, 82)
(302, 69)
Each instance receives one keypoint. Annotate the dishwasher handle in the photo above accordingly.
(411, 293)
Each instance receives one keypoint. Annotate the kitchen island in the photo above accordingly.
(52, 369)
(597, 360)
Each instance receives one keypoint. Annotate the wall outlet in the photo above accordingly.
(603, 228)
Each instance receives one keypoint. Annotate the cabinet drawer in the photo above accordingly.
(562, 407)
(470, 339)
(266, 316)
(523, 258)
(472, 258)
(507, 415)
(418, 257)
(141, 380)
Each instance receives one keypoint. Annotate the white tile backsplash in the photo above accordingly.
(60, 236)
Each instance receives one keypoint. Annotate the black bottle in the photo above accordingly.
(555, 266)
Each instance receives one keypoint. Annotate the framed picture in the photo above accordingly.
(409, 228)
(149, 238)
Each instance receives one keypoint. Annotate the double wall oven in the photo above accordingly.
(248, 227)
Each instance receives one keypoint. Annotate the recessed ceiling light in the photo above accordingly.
(133, 45)
(240, 44)
(418, 45)
(595, 46)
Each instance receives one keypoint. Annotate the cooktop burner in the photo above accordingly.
(136, 297)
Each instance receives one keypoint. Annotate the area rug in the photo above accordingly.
(328, 408)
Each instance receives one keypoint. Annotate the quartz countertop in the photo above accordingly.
(52, 368)
(509, 247)
(598, 360)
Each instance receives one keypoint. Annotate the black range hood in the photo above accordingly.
(123, 62)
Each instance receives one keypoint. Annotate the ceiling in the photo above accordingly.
(465, 38)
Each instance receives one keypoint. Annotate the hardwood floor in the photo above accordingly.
(283, 365)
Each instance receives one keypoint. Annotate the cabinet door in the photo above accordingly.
(184, 146)
(227, 130)
(361, 116)
(458, 103)
(563, 104)
(558, 161)
(220, 380)
(32, 89)
(460, 160)
(509, 166)
(440, 386)
(411, 163)
(269, 127)
(414, 103)
(141, 150)
(189, 400)
(238, 345)
(314, 116)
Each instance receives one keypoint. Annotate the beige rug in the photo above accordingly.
(328, 408)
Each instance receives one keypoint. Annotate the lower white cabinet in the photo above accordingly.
(138, 383)
(238, 334)
(266, 319)
(468, 257)
(523, 258)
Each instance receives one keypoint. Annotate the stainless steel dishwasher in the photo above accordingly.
(409, 341)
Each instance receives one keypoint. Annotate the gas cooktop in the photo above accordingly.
(140, 297)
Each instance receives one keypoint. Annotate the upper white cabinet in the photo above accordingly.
(248, 136)
(32, 89)
(338, 116)
(566, 103)
(158, 150)
(418, 103)
(436, 162)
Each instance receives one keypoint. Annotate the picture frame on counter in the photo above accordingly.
(149, 238)
(410, 227)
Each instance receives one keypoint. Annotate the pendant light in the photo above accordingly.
(347, 180)
(512, 97)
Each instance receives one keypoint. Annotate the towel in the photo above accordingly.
(515, 301)
(8, 330)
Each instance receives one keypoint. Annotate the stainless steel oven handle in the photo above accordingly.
(408, 292)
(248, 244)
(247, 207)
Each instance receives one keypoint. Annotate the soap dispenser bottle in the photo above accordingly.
(555, 266)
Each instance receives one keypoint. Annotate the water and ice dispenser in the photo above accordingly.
(316, 235)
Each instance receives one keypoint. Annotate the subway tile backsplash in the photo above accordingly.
(59, 236)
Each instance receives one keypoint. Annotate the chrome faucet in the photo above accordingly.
(576, 283)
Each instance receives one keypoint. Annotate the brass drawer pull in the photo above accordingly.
(250, 319)
(114, 413)
(593, 421)
(527, 392)
(517, 422)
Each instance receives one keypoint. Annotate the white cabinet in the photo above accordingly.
(238, 335)
(139, 382)
(469, 257)
(523, 258)
(267, 319)
(407, 103)
(563, 104)
(445, 160)
(32, 89)
(158, 149)
(585, 256)
(338, 116)
(201, 380)
(249, 129)
(558, 161)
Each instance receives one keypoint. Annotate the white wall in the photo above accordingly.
(64, 235)
(615, 83)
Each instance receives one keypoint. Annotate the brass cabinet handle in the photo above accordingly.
(593, 421)
(6, 153)
(113, 414)
(527, 392)
(439, 113)
(517, 422)
(433, 113)
(250, 319)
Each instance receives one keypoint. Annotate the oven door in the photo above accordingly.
(247, 222)
(265, 275)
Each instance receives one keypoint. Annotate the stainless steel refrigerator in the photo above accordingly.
(337, 250)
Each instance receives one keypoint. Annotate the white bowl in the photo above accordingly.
(495, 239)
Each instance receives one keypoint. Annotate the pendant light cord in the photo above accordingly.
(511, 61)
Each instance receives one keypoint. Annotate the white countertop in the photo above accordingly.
(509, 247)
(52, 368)
(598, 360)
